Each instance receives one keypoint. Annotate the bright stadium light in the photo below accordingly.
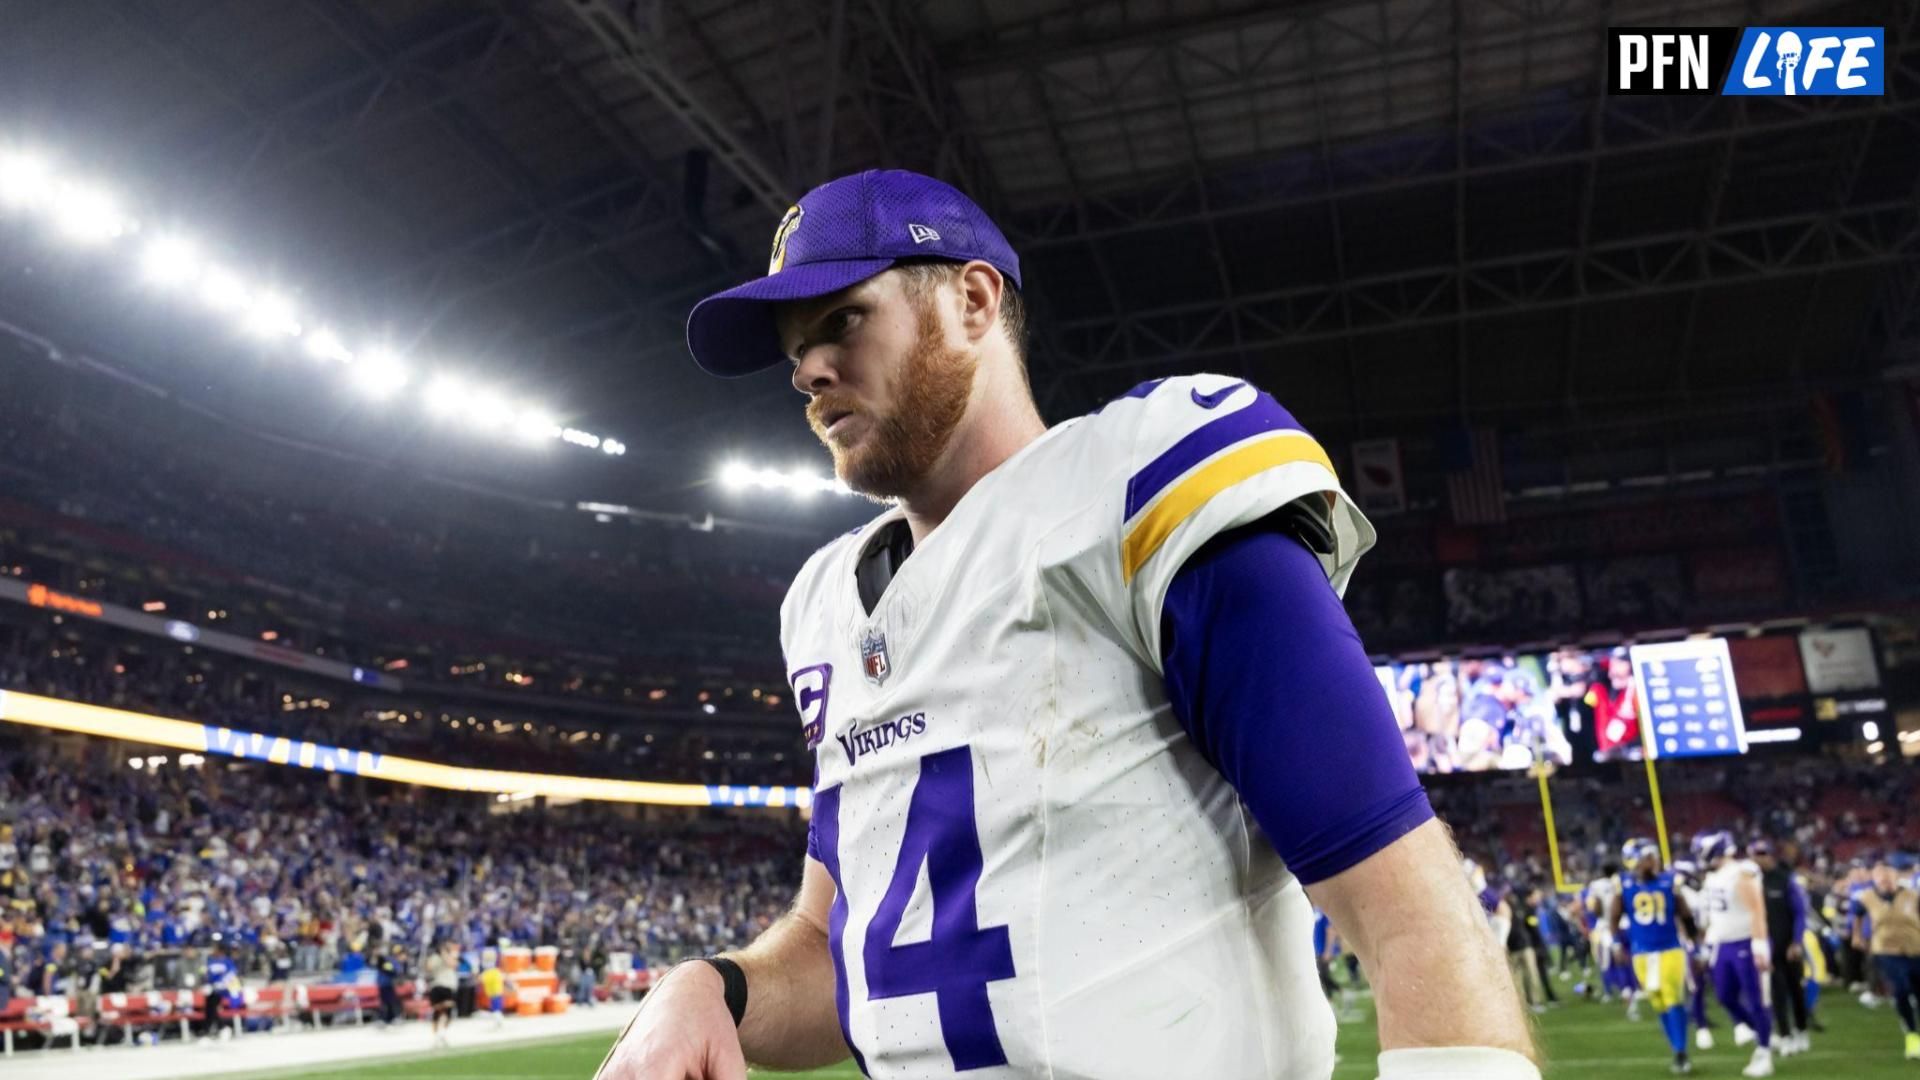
(447, 397)
(489, 411)
(323, 344)
(271, 315)
(222, 291)
(798, 482)
(1870, 731)
(535, 425)
(25, 179)
(87, 214)
(170, 261)
(379, 374)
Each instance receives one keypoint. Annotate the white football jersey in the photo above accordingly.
(1727, 918)
(1039, 875)
(1696, 902)
(1601, 892)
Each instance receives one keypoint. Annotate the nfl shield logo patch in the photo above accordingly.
(873, 658)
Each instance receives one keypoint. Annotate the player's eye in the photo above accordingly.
(838, 324)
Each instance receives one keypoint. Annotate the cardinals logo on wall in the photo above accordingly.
(1379, 485)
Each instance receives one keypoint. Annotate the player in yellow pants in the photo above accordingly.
(1654, 915)
(1663, 978)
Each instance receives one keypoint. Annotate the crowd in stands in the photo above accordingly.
(339, 573)
(141, 876)
(1833, 810)
(82, 661)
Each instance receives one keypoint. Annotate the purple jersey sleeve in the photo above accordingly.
(1797, 896)
(1267, 675)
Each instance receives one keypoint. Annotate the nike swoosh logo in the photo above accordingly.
(1213, 400)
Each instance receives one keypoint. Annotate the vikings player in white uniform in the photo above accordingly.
(1737, 943)
(1686, 882)
(1088, 718)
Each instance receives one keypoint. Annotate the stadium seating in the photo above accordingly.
(252, 862)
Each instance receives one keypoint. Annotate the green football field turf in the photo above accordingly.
(1581, 1040)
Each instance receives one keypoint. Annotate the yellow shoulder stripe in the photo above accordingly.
(1152, 528)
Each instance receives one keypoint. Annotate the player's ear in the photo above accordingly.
(981, 288)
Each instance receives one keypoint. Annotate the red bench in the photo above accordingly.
(132, 1012)
(273, 1003)
(334, 1000)
(14, 1018)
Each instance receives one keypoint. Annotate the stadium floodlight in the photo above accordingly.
(222, 291)
(797, 482)
(323, 344)
(170, 261)
(802, 484)
(25, 179)
(86, 213)
(271, 315)
(446, 397)
(379, 374)
(535, 425)
(489, 411)
(1870, 731)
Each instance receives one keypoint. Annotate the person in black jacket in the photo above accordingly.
(1786, 902)
(386, 967)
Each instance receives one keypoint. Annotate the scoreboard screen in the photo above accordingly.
(1688, 698)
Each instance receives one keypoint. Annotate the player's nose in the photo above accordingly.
(817, 370)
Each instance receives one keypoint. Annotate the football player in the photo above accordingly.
(1090, 723)
(1654, 915)
(1738, 944)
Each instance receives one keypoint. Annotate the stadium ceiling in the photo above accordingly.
(1390, 212)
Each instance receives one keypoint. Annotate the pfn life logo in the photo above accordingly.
(1780, 61)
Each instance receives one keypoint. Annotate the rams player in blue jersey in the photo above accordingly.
(1655, 914)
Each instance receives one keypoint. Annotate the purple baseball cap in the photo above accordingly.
(840, 234)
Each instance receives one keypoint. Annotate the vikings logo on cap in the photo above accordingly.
(873, 658)
(788, 222)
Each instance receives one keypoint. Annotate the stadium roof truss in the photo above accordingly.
(1390, 210)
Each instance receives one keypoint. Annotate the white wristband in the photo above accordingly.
(1456, 1063)
(1763, 950)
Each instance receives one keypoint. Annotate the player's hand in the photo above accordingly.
(1793, 953)
(683, 1032)
(1761, 961)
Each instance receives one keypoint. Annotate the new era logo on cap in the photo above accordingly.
(921, 233)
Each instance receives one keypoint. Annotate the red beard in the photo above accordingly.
(902, 445)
